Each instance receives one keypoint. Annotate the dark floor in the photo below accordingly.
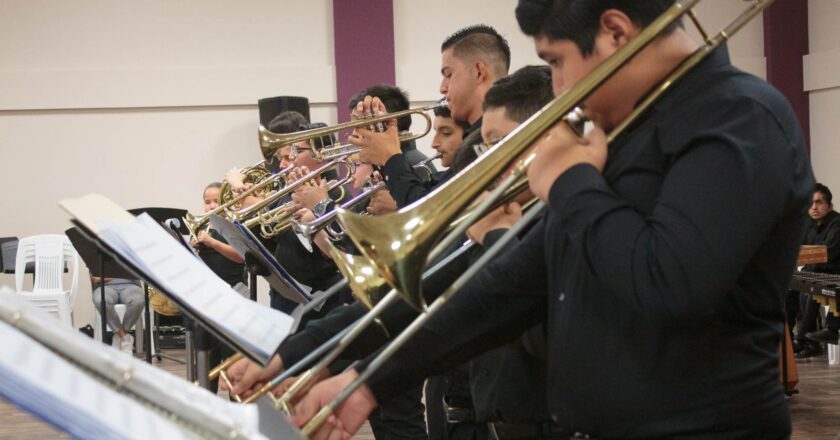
(815, 409)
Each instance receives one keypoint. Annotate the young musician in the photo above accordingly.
(213, 249)
(472, 59)
(224, 261)
(663, 306)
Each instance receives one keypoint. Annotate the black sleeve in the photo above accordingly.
(391, 322)
(403, 183)
(506, 298)
(319, 331)
(832, 244)
(721, 198)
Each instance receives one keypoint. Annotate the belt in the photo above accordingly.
(516, 431)
(458, 409)
(456, 414)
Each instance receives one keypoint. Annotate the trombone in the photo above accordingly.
(519, 141)
(270, 142)
(400, 243)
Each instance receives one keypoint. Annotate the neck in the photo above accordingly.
(647, 70)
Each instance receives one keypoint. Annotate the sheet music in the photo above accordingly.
(177, 396)
(147, 245)
(243, 240)
(54, 390)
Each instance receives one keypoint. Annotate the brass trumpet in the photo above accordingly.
(270, 142)
(197, 223)
(306, 231)
(275, 220)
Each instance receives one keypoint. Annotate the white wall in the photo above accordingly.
(822, 83)
(421, 26)
(144, 102)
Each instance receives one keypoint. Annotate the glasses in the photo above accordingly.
(295, 150)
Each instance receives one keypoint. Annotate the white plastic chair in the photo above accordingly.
(50, 253)
(53, 303)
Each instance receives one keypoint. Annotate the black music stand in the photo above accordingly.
(91, 254)
(8, 251)
(171, 220)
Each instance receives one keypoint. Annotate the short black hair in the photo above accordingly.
(578, 20)
(444, 112)
(822, 189)
(394, 98)
(482, 41)
(287, 122)
(522, 93)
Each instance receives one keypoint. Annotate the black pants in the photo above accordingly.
(400, 418)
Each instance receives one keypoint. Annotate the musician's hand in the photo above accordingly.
(502, 217)
(297, 173)
(350, 415)
(381, 203)
(204, 237)
(235, 179)
(245, 374)
(559, 150)
(379, 142)
(309, 195)
(305, 216)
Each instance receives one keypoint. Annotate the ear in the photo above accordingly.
(481, 71)
(616, 28)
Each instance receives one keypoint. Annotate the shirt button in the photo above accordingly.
(562, 297)
(555, 418)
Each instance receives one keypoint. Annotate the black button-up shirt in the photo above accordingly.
(826, 233)
(660, 279)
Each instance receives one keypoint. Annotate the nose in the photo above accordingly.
(444, 87)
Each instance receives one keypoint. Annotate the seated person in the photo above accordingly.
(119, 291)
(823, 229)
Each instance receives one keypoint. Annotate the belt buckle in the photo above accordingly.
(456, 414)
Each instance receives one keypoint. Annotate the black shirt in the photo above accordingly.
(828, 234)
(660, 279)
(405, 184)
(226, 269)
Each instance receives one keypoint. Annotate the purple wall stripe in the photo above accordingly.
(364, 48)
(785, 43)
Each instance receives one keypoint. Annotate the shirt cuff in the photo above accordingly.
(492, 236)
(296, 347)
(574, 181)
